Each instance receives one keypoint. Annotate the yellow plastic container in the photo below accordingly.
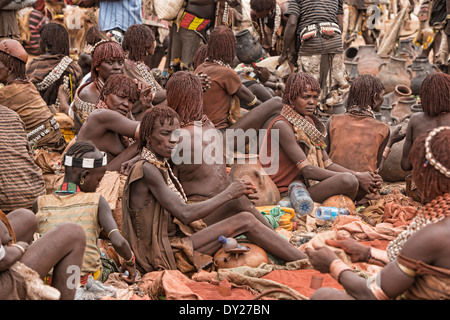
(285, 220)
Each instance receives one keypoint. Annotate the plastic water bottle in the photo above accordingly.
(330, 213)
(300, 199)
(228, 243)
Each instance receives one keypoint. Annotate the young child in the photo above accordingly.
(77, 201)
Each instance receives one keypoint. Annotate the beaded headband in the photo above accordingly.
(429, 156)
(86, 163)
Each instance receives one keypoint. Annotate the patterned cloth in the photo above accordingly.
(119, 14)
(21, 179)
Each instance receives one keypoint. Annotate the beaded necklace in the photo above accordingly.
(277, 23)
(219, 63)
(171, 179)
(294, 118)
(55, 74)
(432, 212)
(143, 70)
(68, 187)
(364, 112)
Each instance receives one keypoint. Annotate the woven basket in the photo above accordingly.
(167, 9)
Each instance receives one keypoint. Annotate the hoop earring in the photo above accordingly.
(81, 181)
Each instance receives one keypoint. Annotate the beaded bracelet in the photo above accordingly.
(377, 256)
(338, 266)
(302, 163)
(327, 163)
(132, 260)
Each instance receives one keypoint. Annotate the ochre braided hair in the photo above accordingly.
(262, 5)
(222, 45)
(138, 40)
(122, 86)
(435, 94)
(298, 83)
(362, 91)
(157, 113)
(94, 35)
(434, 181)
(103, 52)
(200, 55)
(185, 96)
(54, 39)
(18, 66)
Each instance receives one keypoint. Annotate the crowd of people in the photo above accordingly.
(101, 146)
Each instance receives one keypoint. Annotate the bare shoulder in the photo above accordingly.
(429, 243)
(88, 93)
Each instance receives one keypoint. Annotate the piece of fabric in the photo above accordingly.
(23, 98)
(21, 180)
(218, 99)
(119, 14)
(111, 188)
(191, 22)
(431, 283)
(311, 12)
(354, 141)
(81, 208)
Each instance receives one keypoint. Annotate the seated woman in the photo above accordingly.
(138, 43)
(54, 67)
(356, 140)
(299, 153)
(221, 100)
(434, 97)
(107, 59)
(76, 201)
(416, 264)
(108, 126)
(165, 231)
(24, 263)
(21, 96)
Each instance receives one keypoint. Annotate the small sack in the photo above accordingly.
(19, 4)
(167, 9)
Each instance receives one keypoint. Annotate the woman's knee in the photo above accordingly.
(73, 233)
(349, 182)
(24, 223)
(247, 219)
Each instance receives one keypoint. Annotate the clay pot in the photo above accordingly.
(340, 201)
(416, 108)
(337, 108)
(352, 69)
(402, 107)
(394, 73)
(420, 68)
(391, 98)
(248, 167)
(392, 170)
(386, 115)
(248, 49)
(252, 258)
(350, 53)
(368, 60)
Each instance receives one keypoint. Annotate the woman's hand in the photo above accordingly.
(356, 251)
(321, 258)
(239, 188)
